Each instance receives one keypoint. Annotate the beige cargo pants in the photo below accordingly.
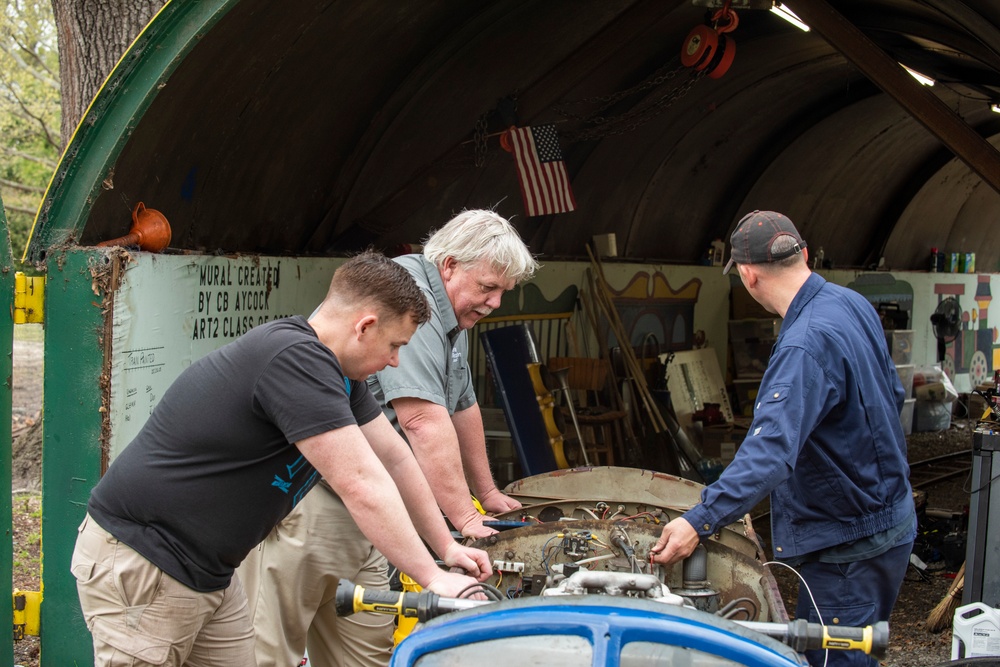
(291, 583)
(139, 615)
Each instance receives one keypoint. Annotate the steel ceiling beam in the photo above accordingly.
(915, 98)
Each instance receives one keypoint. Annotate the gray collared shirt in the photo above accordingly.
(434, 365)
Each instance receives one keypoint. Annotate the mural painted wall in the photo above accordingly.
(971, 354)
(679, 305)
(970, 358)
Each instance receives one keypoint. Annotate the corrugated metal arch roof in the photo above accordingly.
(320, 127)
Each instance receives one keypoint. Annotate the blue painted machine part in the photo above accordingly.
(505, 525)
(608, 623)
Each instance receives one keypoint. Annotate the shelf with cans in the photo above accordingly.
(952, 262)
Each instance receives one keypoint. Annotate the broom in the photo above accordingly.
(941, 616)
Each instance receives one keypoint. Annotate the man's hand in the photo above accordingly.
(475, 562)
(450, 585)
(475, 529)
(496, 502)
(677, 541)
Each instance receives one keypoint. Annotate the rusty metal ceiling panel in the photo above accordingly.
(322, 127)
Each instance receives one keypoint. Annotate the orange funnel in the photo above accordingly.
(150, 230)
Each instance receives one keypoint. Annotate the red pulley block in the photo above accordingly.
(699, 47)
(723, 58)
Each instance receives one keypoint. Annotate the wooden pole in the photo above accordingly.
(606, 302)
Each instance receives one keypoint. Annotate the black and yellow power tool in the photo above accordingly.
(422, 605)
(800, 635)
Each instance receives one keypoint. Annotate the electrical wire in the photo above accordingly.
(731, 609)
(546, 556)
(812, 599)
(624, 542)
(491, 592)
(598, 542)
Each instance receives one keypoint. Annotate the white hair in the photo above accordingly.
(482, 236)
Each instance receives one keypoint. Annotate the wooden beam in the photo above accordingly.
(915, 98)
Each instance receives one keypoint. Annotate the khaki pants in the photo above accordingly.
(291, 582)
(139, 615)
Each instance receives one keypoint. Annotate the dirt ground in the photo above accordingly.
(910, 644)
(26, 471)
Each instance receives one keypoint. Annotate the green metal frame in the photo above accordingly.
(106, 126)
(71, 461)
(75, 322)
(6, 370)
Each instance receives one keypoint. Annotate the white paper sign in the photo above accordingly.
(173, 309)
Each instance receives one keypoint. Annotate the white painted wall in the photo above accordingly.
(166, 316)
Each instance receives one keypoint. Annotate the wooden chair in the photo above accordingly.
(601, 426)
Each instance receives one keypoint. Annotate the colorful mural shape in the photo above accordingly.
(973, 350)
(650, 308)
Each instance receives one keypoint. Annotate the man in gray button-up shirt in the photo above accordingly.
(291, 582)
(429, 396)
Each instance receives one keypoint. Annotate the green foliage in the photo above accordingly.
(29, 111)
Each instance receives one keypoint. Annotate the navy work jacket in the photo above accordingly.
(826, 440)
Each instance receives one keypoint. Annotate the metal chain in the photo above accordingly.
(666, 72)
(626, 122)
(479, 137)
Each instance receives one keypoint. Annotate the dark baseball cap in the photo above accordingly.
(757, 231)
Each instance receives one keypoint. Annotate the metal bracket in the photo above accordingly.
(27, 613)
(29, 298)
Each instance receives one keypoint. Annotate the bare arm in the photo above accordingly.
(472, 444)
(346, 460)
(434, 440)
(398, 460)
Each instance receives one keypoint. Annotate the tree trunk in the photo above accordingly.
(93, 34)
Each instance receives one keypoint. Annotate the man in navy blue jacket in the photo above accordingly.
(826, 442)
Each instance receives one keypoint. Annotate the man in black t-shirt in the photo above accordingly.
(237, 440)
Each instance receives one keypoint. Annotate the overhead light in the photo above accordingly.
(788, 15)
(922, 78)
(995, 107)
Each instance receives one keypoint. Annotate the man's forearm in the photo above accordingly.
(431, 433)
(411, 483)
(351, 467)
(421, 505)
(471, 435)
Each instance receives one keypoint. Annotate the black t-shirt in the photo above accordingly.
(215, 468)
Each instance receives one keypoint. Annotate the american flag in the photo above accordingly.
(541, 170)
